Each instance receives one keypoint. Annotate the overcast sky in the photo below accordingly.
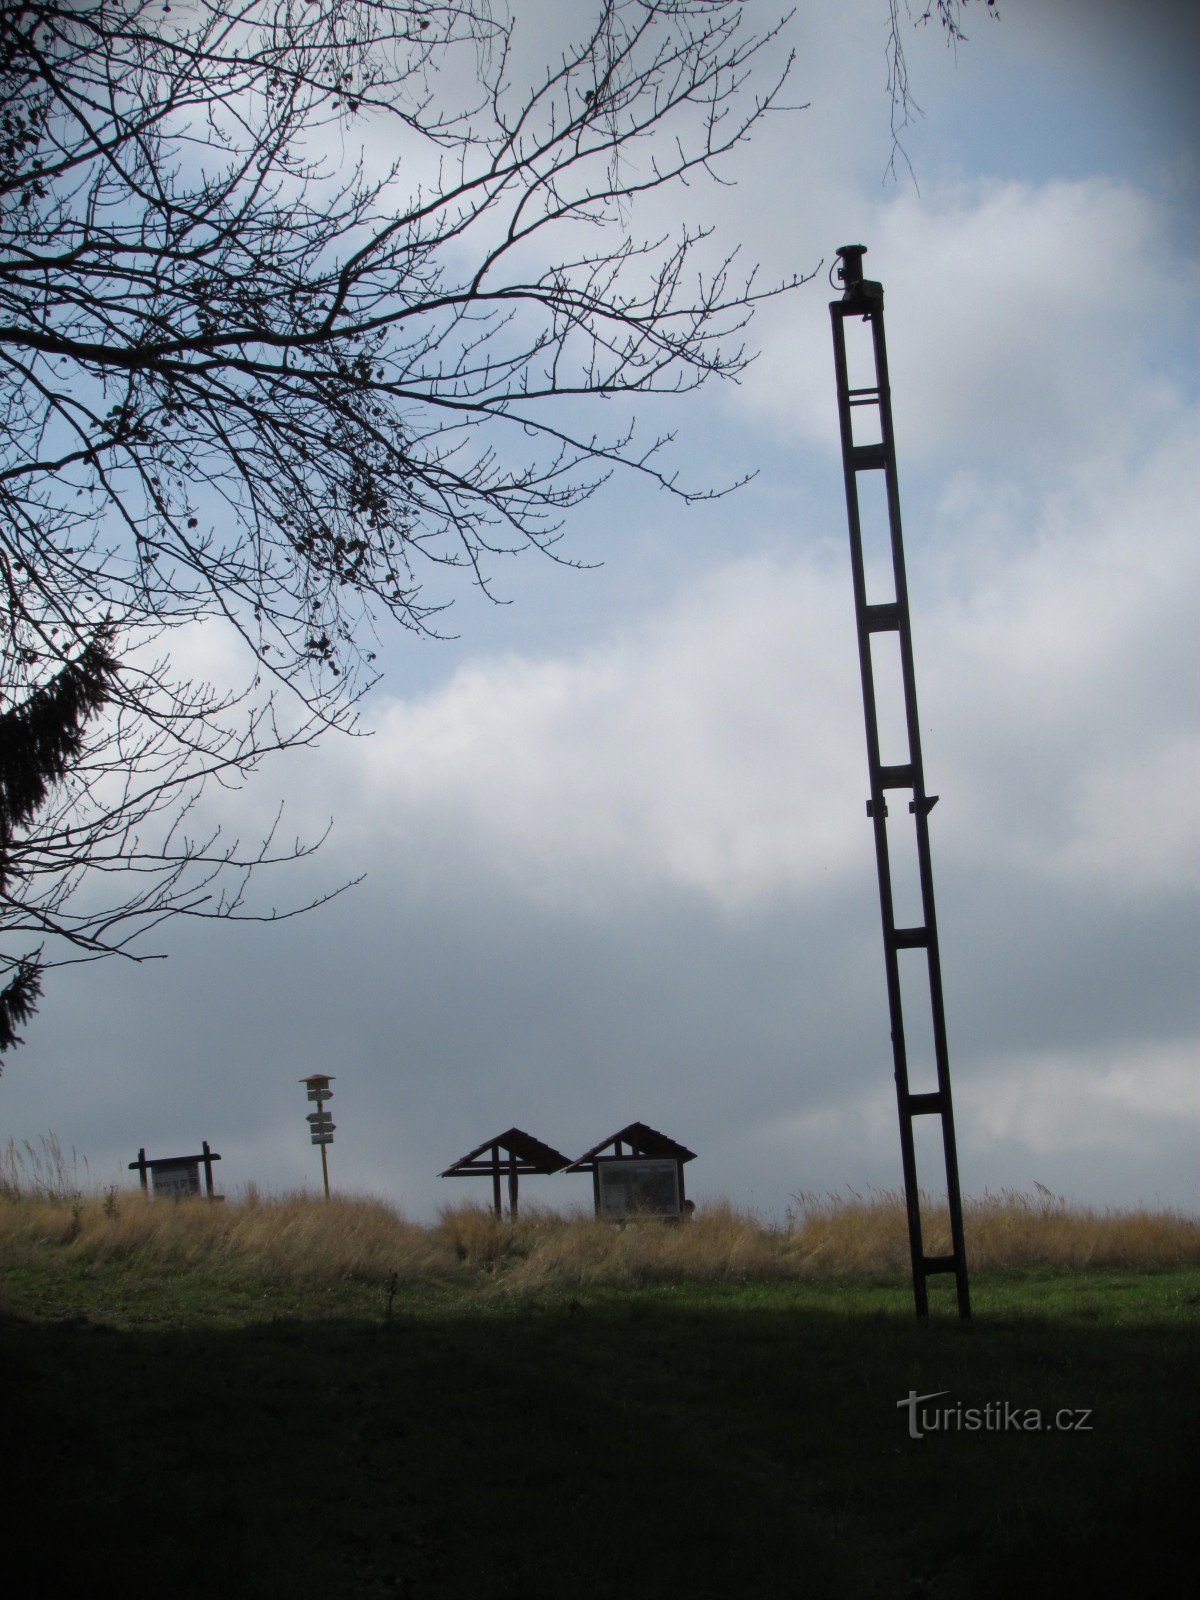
(618, 861)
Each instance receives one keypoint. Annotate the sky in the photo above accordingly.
(617, 861)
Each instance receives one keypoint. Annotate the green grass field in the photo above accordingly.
(179, 1423)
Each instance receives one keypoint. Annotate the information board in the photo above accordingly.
(638, 1185)
(175, 1178)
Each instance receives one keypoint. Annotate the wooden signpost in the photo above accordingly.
(320, 1121)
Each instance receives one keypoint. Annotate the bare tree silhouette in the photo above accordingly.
(300, 307)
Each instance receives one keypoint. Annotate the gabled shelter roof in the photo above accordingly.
(530, 1154)
(642, 1141)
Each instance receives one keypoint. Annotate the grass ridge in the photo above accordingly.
(302, 1238)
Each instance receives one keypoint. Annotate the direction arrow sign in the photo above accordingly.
(319, 1116)
(322, 1138)
(320, 1094)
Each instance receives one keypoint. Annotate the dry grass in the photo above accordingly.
(43, 1170)
(824, 1236)
(44, 1208)
(1014, 1229)
(850, 1233)
(287, 1238)
(545, 1250)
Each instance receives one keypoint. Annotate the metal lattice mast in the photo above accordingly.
(882, 616)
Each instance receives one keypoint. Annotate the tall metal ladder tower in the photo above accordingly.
(882, 616)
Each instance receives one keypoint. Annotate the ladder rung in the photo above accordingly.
(932, 1264)
(863, 456)
(896, 777)
(880, 619)
(910, 938)
(921, 1105)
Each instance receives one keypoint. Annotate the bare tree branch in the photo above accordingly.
(253, 370)
(949, 14)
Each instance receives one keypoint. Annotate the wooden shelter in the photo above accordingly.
(515, 1153)
(636, 1170)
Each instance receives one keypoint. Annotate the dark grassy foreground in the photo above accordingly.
(192, 1436)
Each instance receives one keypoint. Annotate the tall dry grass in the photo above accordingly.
(286, 1238)
(298, 1237)
(44, 1170)
(823, 1236)
(545, 1249)
(852, 1233)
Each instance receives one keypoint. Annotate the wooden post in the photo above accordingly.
(512, 1187)
(325, 1170)
(496, 1206)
